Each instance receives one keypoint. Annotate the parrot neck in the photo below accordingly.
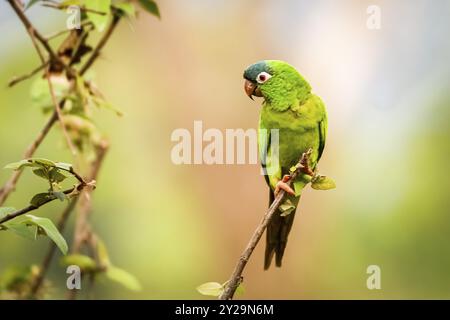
(282, 101)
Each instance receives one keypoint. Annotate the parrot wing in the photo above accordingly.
(322, 127)
(263, 148)
(280, 226)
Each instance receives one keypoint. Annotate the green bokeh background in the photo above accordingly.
(176, 227)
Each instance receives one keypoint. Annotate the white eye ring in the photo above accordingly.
(263, 77)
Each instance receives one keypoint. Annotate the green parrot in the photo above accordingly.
(301, 119)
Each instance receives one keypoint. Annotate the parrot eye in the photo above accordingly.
(263, 77)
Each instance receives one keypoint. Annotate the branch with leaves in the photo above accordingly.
(55, 173)
(64, 90)
(227, 290)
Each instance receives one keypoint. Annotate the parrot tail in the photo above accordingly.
(276, 236)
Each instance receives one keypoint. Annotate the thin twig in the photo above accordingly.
(81, 226)
(59, 6)
(54, 101)
(236, 276)
(101, 44)
(59, 33)
(10, 185)
(34, 33)
(21, 78)
(83, 231)
(55, 60)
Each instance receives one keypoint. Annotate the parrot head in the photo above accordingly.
(277, 82)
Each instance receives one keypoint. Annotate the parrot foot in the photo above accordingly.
(282, 185)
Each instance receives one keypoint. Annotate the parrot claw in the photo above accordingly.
(282, 185)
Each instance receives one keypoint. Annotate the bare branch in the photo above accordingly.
(83, 231)
(10, 185)
(21, 78)
(236, 276)
(33, 32)
(101, 43)
(59, 33)
(60, 6)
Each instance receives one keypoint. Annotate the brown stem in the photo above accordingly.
(35, 34)
(54, 59)
(10, 185)
(62, 7)
(236, 276)
(83, 232)
(59, 33)
(21, 78)
(101, 44)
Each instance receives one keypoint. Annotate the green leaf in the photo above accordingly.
(15, 225)
(57, 176)
(286, 208)
(42, 173)
(299, 184)
(64, 166)
(102, 253)
(126, 8)
(21, 164)
(323, 183)
(100, 21)
(31, 3)
(40, 91)
(42, 162)
(151, 7)
(50, 230)
(32, 162)
(240, 290)
(20, 229)
(84, 262)
(14, 165)
(60, 195)
(101, 103)
(42, 198)
(124, 278)
(214, 289)
(15, 277)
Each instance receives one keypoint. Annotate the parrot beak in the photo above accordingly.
(251, 89)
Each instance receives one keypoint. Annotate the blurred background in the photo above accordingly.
(175, 227)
